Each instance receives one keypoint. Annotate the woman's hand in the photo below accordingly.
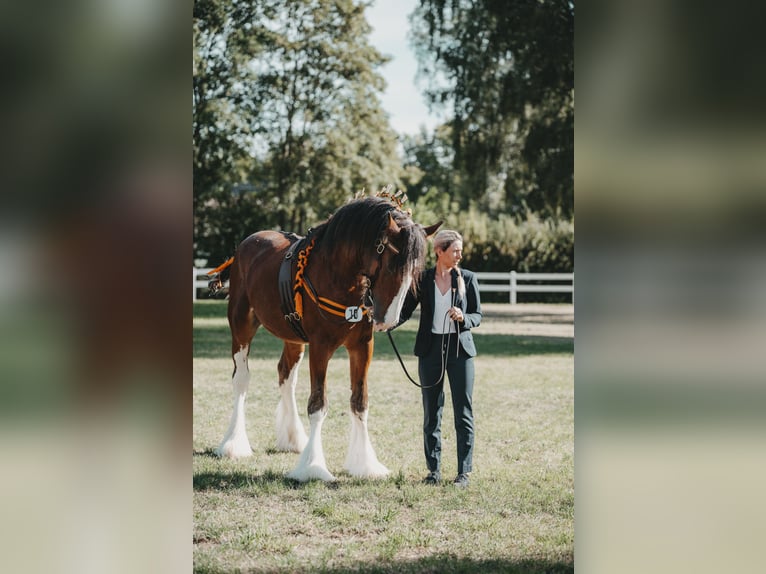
(456, 314)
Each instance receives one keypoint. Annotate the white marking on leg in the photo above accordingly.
(235, 443)
(395, 308)
(311, 463)
(291, 437)
(361, 460)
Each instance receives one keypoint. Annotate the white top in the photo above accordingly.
(442, 305)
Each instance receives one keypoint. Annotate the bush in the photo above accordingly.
(501, 243)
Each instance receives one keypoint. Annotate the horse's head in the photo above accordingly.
(379, 244)
(398, 258)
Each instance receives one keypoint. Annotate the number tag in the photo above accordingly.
(353, 314)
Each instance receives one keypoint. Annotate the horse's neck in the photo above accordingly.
(334, 272)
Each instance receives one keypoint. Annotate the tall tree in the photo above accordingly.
(507, 71)
(328, 135)
(224, 119)
(286, 101)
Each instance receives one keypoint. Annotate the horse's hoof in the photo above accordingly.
(311, 473)
(373, 471)
(230, 450)
(293, 444)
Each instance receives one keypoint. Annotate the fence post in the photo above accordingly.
(194, 283)
(513, 287)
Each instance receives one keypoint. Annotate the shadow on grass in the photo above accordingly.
(209, 308)
(488, 345)
(214, 342)
(228, 481)
(437, 564)
(208, 453)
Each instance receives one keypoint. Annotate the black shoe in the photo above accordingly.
(433, 478)
(461, 480)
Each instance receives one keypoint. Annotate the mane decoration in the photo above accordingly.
(397, 199)
(351, 233)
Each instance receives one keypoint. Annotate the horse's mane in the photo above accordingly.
(351, 233)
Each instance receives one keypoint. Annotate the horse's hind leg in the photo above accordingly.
(235, 443)
(291, 436)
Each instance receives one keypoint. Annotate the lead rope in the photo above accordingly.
(444, 352)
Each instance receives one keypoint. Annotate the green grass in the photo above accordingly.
(517, 515)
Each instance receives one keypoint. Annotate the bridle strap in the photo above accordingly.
(328, 304)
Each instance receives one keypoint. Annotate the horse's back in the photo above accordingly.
(260, 255)
(262, 242)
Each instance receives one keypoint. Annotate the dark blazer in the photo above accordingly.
(425, 296)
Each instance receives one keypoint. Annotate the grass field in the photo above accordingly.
(516, 516)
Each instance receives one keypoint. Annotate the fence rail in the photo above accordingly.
(510, 282)
(200, 280)
(513, 282)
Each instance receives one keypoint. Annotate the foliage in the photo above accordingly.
(288, 125)
(221, 106)
(507, 71)
(286, 111)
(502, 242)
(428, 162)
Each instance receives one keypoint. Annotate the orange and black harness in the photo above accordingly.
(291, 290)
(292, 287)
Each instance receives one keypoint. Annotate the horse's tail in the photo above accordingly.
(219, 275)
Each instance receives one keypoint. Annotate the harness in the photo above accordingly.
(292, 285)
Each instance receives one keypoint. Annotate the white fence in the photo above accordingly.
(513, 282)
(508, 282)
(200, 279)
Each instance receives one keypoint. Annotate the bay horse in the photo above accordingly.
(347, 277)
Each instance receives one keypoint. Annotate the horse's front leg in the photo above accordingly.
(311, 464)
(361, 460)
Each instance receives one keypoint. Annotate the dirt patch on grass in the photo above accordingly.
(528, 319)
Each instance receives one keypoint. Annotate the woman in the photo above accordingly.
(449, 309)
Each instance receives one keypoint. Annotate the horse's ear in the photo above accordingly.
(393, 228)
(431, 229)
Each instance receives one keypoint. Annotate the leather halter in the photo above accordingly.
(291, 288)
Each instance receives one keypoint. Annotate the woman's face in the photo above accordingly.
(452, 255)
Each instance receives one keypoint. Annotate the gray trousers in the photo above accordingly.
(460, 373)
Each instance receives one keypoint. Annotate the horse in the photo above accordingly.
(344, 279)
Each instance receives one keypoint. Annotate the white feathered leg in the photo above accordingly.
(361, 460)
(235, 443)
(291, 437)
(311, 463)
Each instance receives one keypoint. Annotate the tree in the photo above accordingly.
(428, 159)
(224, 118)
(507, 71)
(287, 102)
(327, 133)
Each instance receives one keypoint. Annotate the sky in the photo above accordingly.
(402, 100)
